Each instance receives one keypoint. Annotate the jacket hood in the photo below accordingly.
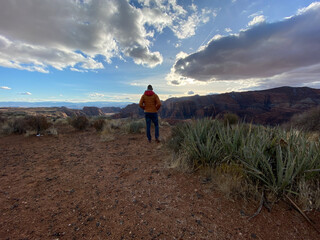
(149, 93)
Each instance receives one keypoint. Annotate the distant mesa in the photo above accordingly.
(272, 106)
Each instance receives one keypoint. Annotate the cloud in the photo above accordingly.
(5, 88)
(228, 30)
(257, 20)
(71, 32)
(77, 70)
(261, 52)
(96, 95)
(25, 93)
(38, 34)
(190, 92)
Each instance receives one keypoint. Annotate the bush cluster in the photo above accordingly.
(135, 126)
(37, 123)
(21, 125)
(274, 159)
(307, 121)
(80, 122)
(99, 124)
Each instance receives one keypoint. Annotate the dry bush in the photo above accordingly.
(6, 129)
(61, 121)
(107, 133)
(232, 181)
(37, 123)
(19, 125)
(135, 126)
(2, 119)
(52, 131)
(179, 161)
(99, 124)
(230, 118)
(28, 125)
(307, 121)
(309, 194)
(80, 122)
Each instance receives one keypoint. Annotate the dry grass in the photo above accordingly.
(309, 194)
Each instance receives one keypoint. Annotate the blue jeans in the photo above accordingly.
(154, 118)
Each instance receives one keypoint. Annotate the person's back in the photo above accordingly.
(150, 103)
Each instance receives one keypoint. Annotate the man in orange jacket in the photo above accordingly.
(150, 103)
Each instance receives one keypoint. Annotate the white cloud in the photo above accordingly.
(228, 30)
(257, 20)
(75, 32)
(256, 14)
(5, 88)
(262, 53)
(25, 93)
(96, 95)
(77, 70)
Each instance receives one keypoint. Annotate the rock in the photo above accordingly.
(92, 111)
(272, 106)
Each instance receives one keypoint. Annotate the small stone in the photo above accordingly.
(90, 219)
(253, 235)
(15, 205)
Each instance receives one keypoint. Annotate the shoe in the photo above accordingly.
(157, 140)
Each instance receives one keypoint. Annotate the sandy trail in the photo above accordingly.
(76, 187)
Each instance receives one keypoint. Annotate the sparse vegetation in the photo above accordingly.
(271, 158)
(135, 126)
(80, 122)
(37, 123)
(230, 118)
(307, 121)
(98, 124)
(18, 125)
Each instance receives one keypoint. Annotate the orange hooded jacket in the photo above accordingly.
(150, 102)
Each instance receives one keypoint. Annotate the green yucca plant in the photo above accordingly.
(201, 143)
(273, 158)
(277, 159)
(178, 133)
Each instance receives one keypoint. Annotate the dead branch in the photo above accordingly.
(259, 209)
(302, 213)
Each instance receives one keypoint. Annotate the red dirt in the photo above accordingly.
(76, 187)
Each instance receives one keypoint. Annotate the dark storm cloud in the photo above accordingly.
(266, 50)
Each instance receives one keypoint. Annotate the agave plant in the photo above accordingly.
(278, 160)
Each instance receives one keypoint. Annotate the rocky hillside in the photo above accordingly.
(272, 106)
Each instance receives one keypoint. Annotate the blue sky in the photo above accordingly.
(103, 50)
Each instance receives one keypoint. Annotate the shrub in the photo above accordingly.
(99, 124)
(277, 160)
(37, 123)
(6, 129)
(135, 126)
(307, 121)
(2, 119)
(80, 122)
(178, 133)
(19, 125)
(273, 159)
(230, 118)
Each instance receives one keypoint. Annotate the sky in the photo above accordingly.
(110, 50)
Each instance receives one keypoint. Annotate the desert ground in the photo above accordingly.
(75, 186)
